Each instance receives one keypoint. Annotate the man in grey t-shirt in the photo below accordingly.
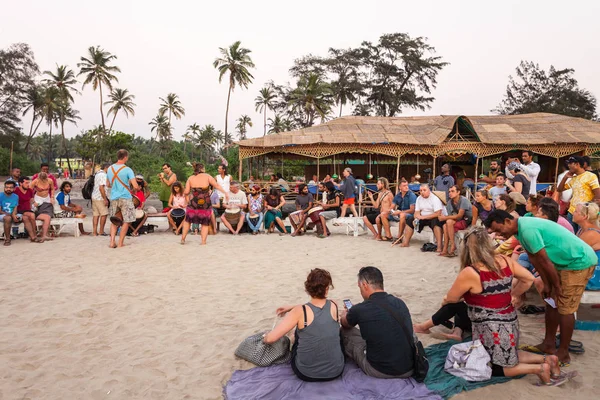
(444, 181)
(460, 216)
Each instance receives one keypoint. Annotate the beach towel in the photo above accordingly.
(279, 382)
(442, 382)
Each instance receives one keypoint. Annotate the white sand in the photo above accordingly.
(157, 320)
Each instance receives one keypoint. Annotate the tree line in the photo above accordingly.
(383, 78)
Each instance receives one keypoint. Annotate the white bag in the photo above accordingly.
(469, 361)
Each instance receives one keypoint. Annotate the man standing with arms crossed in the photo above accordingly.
(120, 177)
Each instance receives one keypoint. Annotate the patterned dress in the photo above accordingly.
(494, 318)
(199, 209)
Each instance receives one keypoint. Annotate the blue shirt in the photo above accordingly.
(8, 203)
(404, 202)
(62, 199)
(117, 190)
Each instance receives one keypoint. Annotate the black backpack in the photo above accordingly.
(88, 188)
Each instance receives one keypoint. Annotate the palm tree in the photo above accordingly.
(98, 71)
(205, 139)
(190, 133)
(120, 99)
(243, 123)
(173, 105)
(49, 112)
(311, 98)
(37, 149)
(34, 102)
(63, 79)
(160, 124)
(66, 113)
(235, 60)
(279, 124)
(265, 101)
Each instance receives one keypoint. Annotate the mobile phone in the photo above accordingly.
(550, 302)
(348, 303)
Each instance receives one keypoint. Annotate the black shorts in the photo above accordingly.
(432, 223)
(372, 216)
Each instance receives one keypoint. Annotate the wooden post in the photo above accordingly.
(398, 175)
(556, 170)
(476, 173)
(240, 168)
(318, 175)
(434, 172)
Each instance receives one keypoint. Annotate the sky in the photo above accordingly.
(165, 47)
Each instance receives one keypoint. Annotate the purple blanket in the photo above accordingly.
(279, 382)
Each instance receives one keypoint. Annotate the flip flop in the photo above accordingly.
(531, 309)
(553, 382)
(531, 349)
(564, 364)
(450, 255)
(575, 346)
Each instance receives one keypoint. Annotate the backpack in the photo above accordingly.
(88, 188)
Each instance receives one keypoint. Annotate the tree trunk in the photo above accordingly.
(227, 109)
(64, 144)
(101, 111)
(340, 109)
(50, 146)
(184, 145)
(32, 135)
(113, 122)
(265, 133)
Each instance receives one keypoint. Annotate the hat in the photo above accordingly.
(518, 198)
(139, 176)
(513, 165)
(440, 195)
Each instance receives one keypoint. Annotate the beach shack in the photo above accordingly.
(396, 147)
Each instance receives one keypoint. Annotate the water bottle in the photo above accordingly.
(15, 232)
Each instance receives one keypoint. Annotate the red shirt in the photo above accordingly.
(140, 195)
(24, 199)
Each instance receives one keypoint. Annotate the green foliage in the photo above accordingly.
(557, 91)
(28, 166)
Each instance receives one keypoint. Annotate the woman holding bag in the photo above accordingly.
(317, 351)
(485, 284)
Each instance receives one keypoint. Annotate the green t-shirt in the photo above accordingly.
(565, 250)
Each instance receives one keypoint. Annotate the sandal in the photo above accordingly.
(531, 309)
(575, 346)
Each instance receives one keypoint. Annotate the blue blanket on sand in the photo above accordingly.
(442, 382)
(279, 382)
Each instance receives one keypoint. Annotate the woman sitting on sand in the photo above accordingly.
(255, 209)
(177, 201)
(274, 202)
(506, 203)
(483, 205)
(199, 209)
(485, 284)
(317, 352)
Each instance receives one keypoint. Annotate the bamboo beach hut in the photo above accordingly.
(429, 140)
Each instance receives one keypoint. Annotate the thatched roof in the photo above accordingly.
(525, 129)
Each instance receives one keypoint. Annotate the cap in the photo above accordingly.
(139, 176)
(575, 159)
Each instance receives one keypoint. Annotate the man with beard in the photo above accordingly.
(493, 174)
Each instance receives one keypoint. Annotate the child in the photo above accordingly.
(177, 202)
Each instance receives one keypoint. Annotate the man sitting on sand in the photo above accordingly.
(460, 217)
(404, 208)
(428, 209)
(234, 214)
(65, 208)
(380, 212)
(382, 347)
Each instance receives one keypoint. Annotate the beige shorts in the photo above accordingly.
(126, 207)
(98, 208)
(572, 285)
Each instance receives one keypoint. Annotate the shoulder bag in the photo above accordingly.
(421, 363)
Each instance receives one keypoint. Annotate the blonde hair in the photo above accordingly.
(385, 182)
(477, 248)
(590, 211)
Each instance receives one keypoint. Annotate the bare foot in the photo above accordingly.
(376, 237)
(544, 373)
(203, 243)
(112, 245)
(548, 349)
(404, 245)
(452, 336)
(563, 356)
(552, 361)
(122, 245)
(418, 329)
(443, 254)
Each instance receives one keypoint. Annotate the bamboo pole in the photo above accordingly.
(434, 172)
(476, 173)
(318, 168)
(398, 175)
(556, 170)
(240, 168)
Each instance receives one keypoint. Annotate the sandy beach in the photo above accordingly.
(157, 320)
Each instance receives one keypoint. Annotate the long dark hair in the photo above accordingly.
(179, 185)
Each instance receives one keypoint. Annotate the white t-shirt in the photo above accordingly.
(224, 182)
(236, 199)
(532, 170)
(99, 180)
(567, 193)
(429, 205)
